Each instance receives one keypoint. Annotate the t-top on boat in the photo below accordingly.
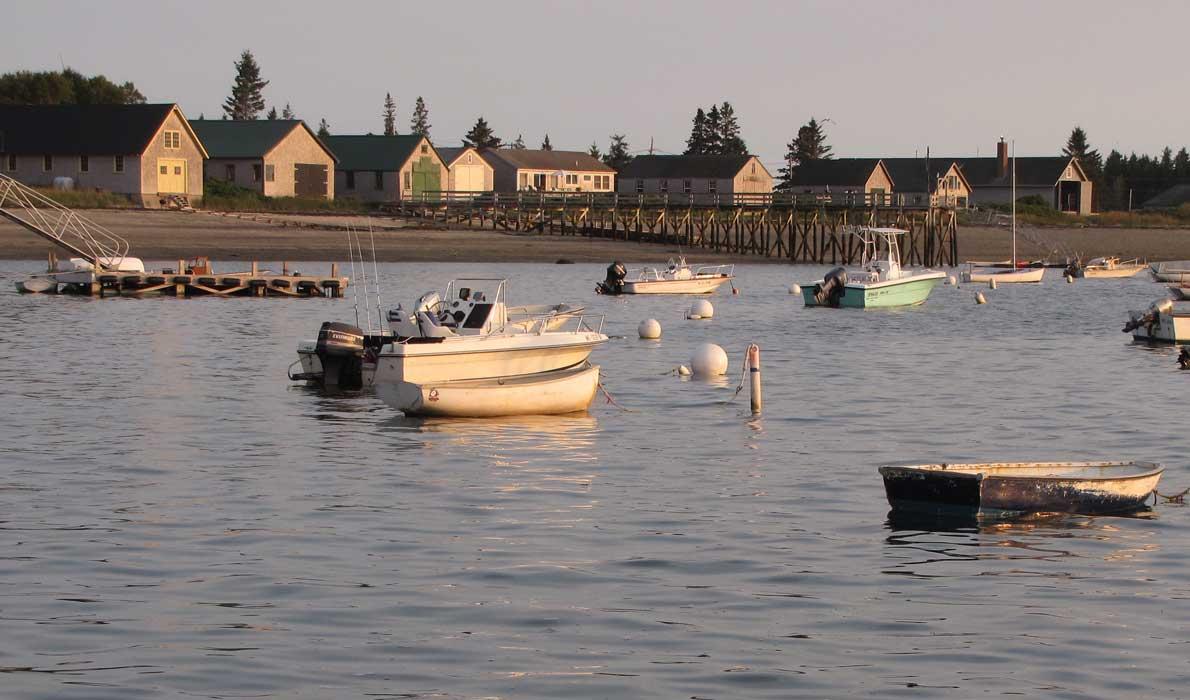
(676, 278)
(880, 282)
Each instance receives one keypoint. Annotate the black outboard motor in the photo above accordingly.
(829, 291)
(340, 349)
(1073, 269)
(614, 283)
(1184, 358)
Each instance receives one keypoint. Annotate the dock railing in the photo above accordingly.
(60, 225)
(615, 200)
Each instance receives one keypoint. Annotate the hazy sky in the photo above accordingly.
(892, 76)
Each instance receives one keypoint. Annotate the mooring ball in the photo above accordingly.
(1069, 279)
(683, 370)
(980, 298)
(951, 280)
(701, 309)
(992, 283)
(795, 289)
(709, 360)
(649, 329)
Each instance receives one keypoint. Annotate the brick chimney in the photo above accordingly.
(1001, 158)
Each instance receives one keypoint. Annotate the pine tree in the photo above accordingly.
(730, 142)
(809, 144)
(420, 124)
(713, 143)
(246, 100)
(481, 136)
(594, 152)
(1181, 164)
(1077, 147)
(617, 153)
(546, 145)
(696, 145)
(324, 129)
(390, 115)
(287, 113)
(519, 144)
(272, 116)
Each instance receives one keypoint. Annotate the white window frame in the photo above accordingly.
(172, 138)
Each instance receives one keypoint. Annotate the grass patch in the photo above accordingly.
(1033, 211)
(223, 196)
(86, 199)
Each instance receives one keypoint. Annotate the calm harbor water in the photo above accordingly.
(179, 520)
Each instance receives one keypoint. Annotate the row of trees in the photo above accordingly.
(1124, 182)
(66, 86)
(716, 133)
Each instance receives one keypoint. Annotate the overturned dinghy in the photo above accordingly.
(1005, 488)
(547, 393)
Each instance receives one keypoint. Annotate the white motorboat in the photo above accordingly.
(547, 393)
(468, 333)
(1014, 274)
(1171, 271)
(1107, 267)
(1165, 320)
(676, 278)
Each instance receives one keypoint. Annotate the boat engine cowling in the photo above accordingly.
(340, 349)
(1150, 317)
(830, 289)
(614, 282)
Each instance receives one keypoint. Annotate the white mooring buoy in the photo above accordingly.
(649, 329)
(980, 298)
(709, 360)
(701, 309)
(683, 371)
(950, 280)
(1069, 279)
(754, 376)
(795, 289)
(992, 283)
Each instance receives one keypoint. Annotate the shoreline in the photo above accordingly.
(170, 235)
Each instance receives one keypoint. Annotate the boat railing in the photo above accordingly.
(714, 270)
(563, 323)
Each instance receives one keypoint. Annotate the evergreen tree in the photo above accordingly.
(287, 113)
(594, 152)
(481, 136)
(519, 144)
(1166, 165)
(420, 124)
(809, 144)
(713, 144)
(730, 143)
(390, 115)
(272, 114)
(546, 145)
(617, 153)
(67, 86)
(246, 100)
(324, 129)
(696, 145)
(1181, 164)
(1077, 147)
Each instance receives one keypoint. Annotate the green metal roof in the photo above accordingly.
(386, 153)
(249, 138)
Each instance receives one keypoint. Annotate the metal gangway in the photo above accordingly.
(61, 225)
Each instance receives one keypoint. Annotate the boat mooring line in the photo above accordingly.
(1179, 497)
(613, 401)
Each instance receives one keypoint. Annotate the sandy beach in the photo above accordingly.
(168, 235)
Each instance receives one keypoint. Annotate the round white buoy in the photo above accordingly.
(795, 289)
(709, 360)
(683, 371)
(951, 280)
(980, 298)
(992, 283)
(701, 309)
(1069, 279)
(649, 329)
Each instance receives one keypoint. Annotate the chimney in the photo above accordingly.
(1002, 158)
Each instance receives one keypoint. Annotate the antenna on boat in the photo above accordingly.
(363, 273)
(351, 259)
(376, 276)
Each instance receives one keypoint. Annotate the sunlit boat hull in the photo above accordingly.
(483, 357)
(694, 285)
(907, 291)
(1168, 327)
(1019, 276)
(549, 393)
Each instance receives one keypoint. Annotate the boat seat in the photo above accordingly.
(429, 326)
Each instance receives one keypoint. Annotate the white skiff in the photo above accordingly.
(548, 393)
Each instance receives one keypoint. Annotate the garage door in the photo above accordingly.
(427, 178)
(469, 178)
(309, 180)
(171, 176)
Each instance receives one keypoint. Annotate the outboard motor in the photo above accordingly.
(1074, 269)
(340, 349)
(614, 283)
(1184, 358)
(1150, 317)
(829, 291)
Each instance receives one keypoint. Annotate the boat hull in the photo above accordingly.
(694, 285)
(1171, 327)
(1024, 275)
(905, 292)
(1111, 273)
(1007, 489)
(483, 357)
(1171, 271)
(550, 393)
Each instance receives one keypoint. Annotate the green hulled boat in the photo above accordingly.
(880, 282)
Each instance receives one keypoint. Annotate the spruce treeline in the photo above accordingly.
(716, 133)
(64, 87)
(1118, 176)
(246, 101)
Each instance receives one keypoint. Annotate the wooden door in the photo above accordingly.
(171, 176)
(310, 180)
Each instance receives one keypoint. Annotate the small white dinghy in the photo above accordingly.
(547, 393)
(37, 285)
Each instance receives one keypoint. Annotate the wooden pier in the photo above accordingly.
(800, 228)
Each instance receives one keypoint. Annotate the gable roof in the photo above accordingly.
(370, 152)
(837, 172)
(450, 154)
(68, 130)
(678, 167)
(1031, 171)
(529, 159)
(249, 138)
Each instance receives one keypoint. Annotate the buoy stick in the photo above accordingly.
(754, 376)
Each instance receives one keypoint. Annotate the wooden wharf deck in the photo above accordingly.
(800, 228)
(187, 280)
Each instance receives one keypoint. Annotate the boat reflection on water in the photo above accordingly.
(568, 437)
(899, 520)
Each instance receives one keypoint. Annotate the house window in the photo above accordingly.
(173, 139)
(586, 178)
(257, 172)
(47, 163)
(686, 186)
(379, 182)
(524, 182)
(270, 173)
(640, 186)
(713, 186)
(229, 172)
(177, 170)
(470, 159)
(754, 168)
(606, 183)
(118, 164)
(408, 180)
(84, 164)
(425, 149)
(350, 179)
(665, 187)
(164, 169)
(571, 179)
(539, 181)
(12, 163)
